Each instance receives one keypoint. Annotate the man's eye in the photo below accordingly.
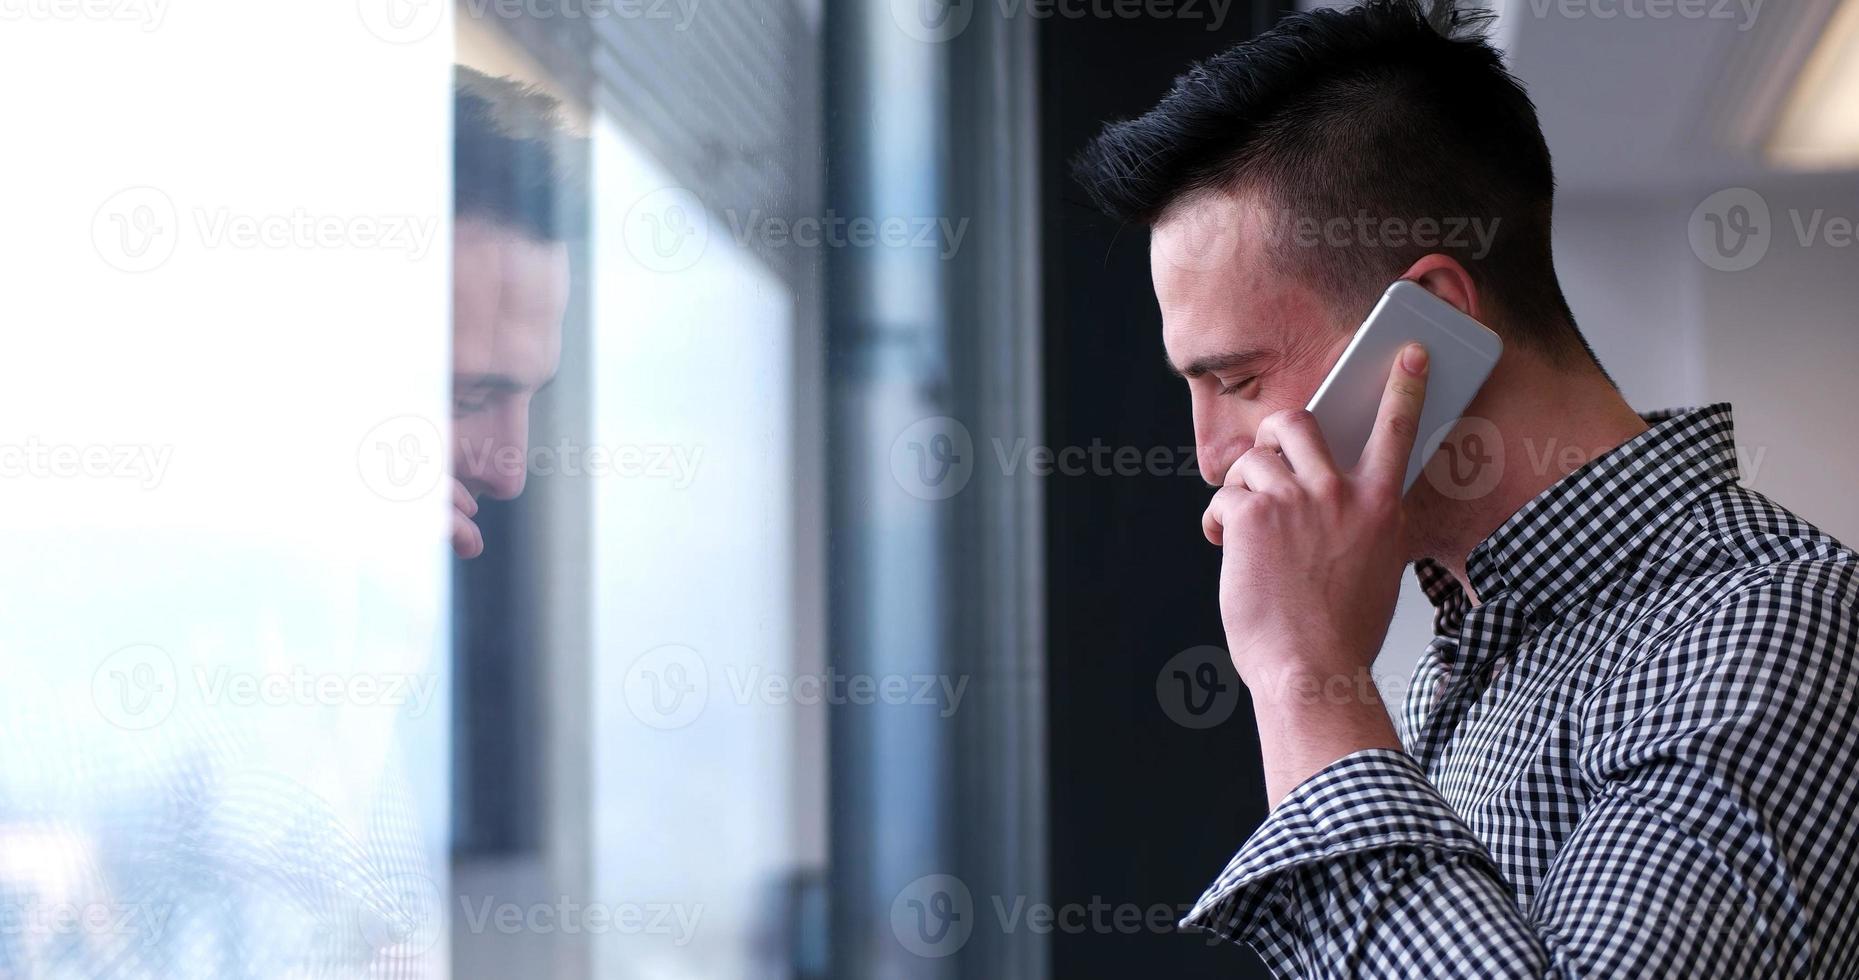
(1229, 389)
(467, 405)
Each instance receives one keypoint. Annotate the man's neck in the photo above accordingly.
(1551, 424)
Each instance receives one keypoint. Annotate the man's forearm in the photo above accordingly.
(1308, 720)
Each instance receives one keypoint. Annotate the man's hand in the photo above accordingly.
(1310, 570)
(467, 540)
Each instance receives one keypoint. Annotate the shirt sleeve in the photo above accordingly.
(1362, 871)
(1717, 840)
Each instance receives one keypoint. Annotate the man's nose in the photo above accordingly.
(512, 433)
(508, 472)
(1212, 468)
(1216, 458)
(1210, 441)
(506, 466)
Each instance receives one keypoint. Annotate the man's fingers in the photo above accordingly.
(1263, 469)
(463, 500)
(1294, 433)
(1213, 519)
(467, 540)
(1397, 424)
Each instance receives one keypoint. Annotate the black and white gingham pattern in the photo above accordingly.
(1637, 757)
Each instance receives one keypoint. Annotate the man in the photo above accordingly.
(509, 285)
(1628, 750)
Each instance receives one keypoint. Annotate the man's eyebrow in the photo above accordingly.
(1215, 363)
(490, 382)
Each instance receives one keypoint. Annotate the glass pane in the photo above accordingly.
(223, 719)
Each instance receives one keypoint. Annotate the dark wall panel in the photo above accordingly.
(1145, 810)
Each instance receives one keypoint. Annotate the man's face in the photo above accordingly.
(509, 294)
(1248, 338)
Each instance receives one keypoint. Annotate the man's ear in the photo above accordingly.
(1444, 277)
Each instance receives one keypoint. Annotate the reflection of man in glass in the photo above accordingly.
(509, 286)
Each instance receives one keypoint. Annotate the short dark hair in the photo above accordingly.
(514, 162)
(1389, 108)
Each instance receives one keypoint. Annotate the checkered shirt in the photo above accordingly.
(1636, 757)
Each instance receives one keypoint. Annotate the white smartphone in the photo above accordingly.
(1461, 353)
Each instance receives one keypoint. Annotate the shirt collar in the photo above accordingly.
(1593, 527)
